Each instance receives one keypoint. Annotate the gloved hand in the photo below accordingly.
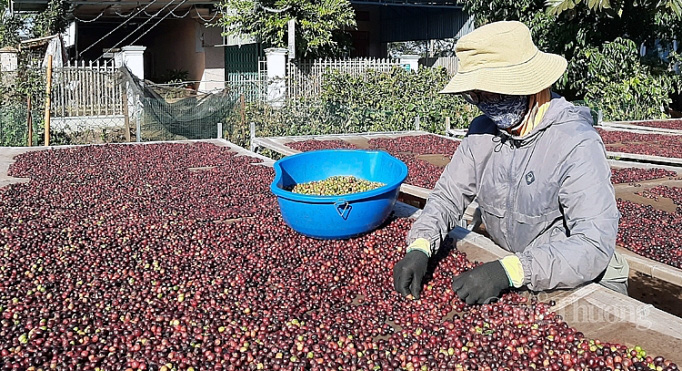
(409, 272)
(481, 284)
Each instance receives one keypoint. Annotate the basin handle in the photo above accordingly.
(342, 208)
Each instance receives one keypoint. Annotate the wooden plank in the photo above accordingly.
(640, 165)
(647, 158)
(640, 128)
(606, 315)
(457, 132)
(274, 145)
(420, 192)
(651, 267)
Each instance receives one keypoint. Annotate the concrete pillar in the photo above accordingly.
(410, 62)
(276, 59)
(133, 58)
(8, 59)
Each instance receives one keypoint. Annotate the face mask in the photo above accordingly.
(506, 113)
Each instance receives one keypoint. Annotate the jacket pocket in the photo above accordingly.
(531, 230)
(493, 219)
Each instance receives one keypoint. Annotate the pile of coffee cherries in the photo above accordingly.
(416, 144)
(633, 175)
(175, 257)
(650, 232)
(314, 144)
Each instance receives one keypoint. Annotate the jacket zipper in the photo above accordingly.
(510, 198)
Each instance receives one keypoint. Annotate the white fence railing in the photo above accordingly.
(304, 78)
(449, 63)
(92, 89)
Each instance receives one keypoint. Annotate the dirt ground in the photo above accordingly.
(628, 192)
(362, 143)
(662, 295)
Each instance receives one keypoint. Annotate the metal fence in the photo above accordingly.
(19, 114)
(305, 78)
(253, 85)
(14, 122)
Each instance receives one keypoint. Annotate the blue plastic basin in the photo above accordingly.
(344, 216)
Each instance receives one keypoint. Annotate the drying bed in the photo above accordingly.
(671, 124)
(643, 144)
(645, 230)
(174, 256)
(425, 155)
(651, 218)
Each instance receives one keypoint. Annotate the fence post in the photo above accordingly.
(30, 122)
(416, 123)
(276, 60)
(447, 126)
(252, 129)
(138, 114)
(133, 58)
(220, 130)
(47, 100)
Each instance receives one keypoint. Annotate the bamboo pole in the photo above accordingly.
(47, 100)
(30, 122)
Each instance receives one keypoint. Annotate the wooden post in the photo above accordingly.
(126, 119)
(30, 122)
(47, 101)
(252, 144)
(447, 126)
(242, 110)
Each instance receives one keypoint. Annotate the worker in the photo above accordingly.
(537, 169)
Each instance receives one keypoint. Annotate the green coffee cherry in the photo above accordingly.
(335, 186)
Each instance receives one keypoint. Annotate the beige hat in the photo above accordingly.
(501, 58)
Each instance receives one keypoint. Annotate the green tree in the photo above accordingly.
(320, 24)
(10, 24)
(594, 36)
(52, 20)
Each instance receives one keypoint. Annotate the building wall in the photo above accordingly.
(367, 36)
(213, 77)
(174, 45)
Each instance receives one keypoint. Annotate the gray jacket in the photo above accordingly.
(547, 197)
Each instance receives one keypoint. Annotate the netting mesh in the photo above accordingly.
(167, 113)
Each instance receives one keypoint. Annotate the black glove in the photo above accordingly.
(409, 272)
(481, 284)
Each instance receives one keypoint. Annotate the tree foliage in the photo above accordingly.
(392, 101)
(52, 20)
(10, 25)
(320, 24)
(601, 39)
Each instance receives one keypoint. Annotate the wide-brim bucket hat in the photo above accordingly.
(501, 58)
